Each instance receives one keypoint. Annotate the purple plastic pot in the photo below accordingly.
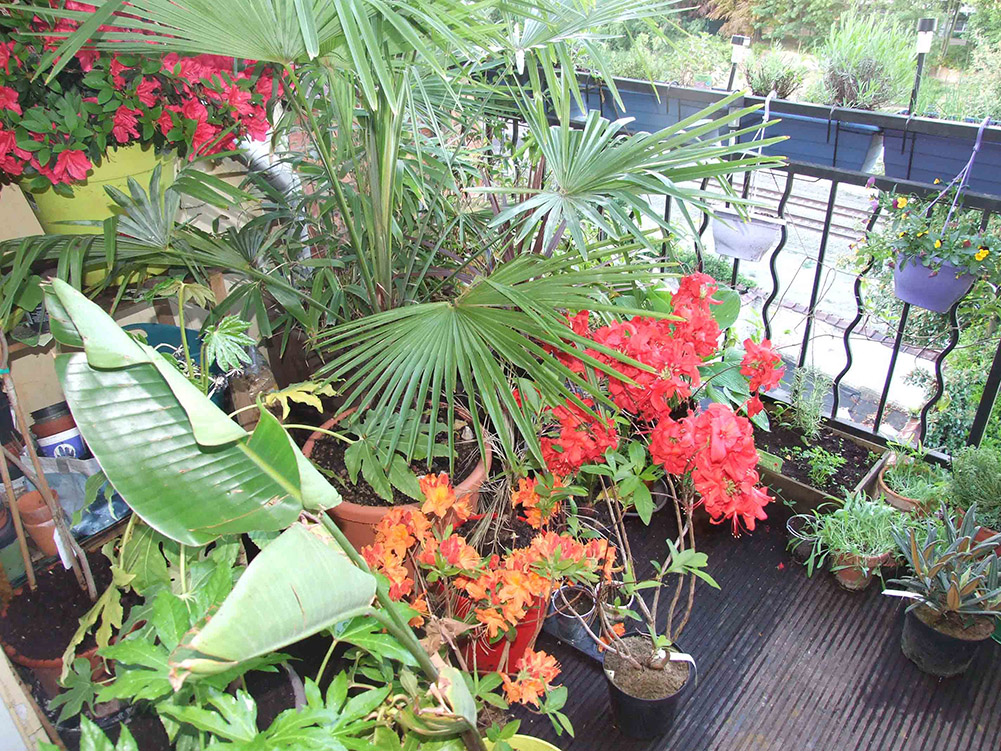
(922, 286)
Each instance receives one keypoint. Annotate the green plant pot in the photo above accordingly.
(90, 201)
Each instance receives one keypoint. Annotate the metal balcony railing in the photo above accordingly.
(676, 103)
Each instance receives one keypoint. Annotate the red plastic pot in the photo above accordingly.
(503, 656)
(358, 522)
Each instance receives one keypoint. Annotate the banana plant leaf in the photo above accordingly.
(183, 466)
(297, 586)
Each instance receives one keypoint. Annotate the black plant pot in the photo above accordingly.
(564, 609)
(645, 718)
(936, 653)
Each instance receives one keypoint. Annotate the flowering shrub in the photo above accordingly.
(53, 134)
(914, 230)
(495, 594)
(714, 447)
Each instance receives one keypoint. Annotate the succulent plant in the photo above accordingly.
(952, 573)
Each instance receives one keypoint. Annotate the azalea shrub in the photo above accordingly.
(433, 568)
(53, 133)
(658, 427)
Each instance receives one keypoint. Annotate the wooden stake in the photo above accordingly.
(81, 569)
(15, 512)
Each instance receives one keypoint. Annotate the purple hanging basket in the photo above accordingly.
(921, 286)
(747, 240)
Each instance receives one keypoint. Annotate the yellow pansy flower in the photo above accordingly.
(982, 253)
(938, 243)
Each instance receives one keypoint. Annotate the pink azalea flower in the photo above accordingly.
(8, 100)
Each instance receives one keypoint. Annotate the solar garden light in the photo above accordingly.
(926, 33)
(738, 54)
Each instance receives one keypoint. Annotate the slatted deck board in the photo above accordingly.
(786, 662)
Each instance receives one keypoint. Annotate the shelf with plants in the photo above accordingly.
(805, 460)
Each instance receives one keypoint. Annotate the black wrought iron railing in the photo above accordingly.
(673, 104)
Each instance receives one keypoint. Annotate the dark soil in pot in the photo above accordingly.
(40, 623)
(508, 533)
(274, 692)
(328, 455)
(785, 442)
(643, 682)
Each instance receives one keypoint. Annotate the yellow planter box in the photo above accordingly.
(90, 201)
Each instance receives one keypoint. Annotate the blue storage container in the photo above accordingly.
(817, 140)
(640, 103)
(923, 158)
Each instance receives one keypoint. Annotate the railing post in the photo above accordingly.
(987, 399)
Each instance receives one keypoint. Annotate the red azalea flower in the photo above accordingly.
(8, 100)
(205, 133)
(239, 100)
(125, 124)
(72, 164)
(192, 109)
(257, 125)
(762, 365)
(753, 406)
(6, 53)
(116, 69)
(145, 91)
(87, 58)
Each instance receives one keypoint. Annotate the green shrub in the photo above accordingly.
(867, 62)
(686, 60)
(774, 70)
(976, 478)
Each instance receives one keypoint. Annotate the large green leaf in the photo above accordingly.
(188, 470)
(298, 585)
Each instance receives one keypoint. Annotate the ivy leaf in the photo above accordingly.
(225, 344)
(307, 393)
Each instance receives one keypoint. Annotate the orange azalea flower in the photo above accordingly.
(602, 554)
(525, 495)
(493, 620)
(421, 606)
(462, 508)
(456, 552)
(438, 494)
(619, 629)
(536, 671)
(398, 540)
(479, 589)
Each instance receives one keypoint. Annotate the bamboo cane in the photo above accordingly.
(78, 560)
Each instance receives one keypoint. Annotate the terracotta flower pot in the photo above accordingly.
(853, 572)
(892, 497)
(985, 533)
(46, 670)
(358, 522)
(32, 507)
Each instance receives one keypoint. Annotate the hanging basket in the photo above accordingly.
(933, 289)
(746, 239)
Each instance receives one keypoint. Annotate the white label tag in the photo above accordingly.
(682, 657)
(65, 553)
(902, 593)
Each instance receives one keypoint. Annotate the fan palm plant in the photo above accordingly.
(404, 190)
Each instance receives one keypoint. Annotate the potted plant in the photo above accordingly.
(488, 609)
(936, 249)
(976, 480)
(106, 117)
(954, 593)
(774, 70)
(855, 539)
(866, 62)
(374, 476)
(806, 460)
(909, 482)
